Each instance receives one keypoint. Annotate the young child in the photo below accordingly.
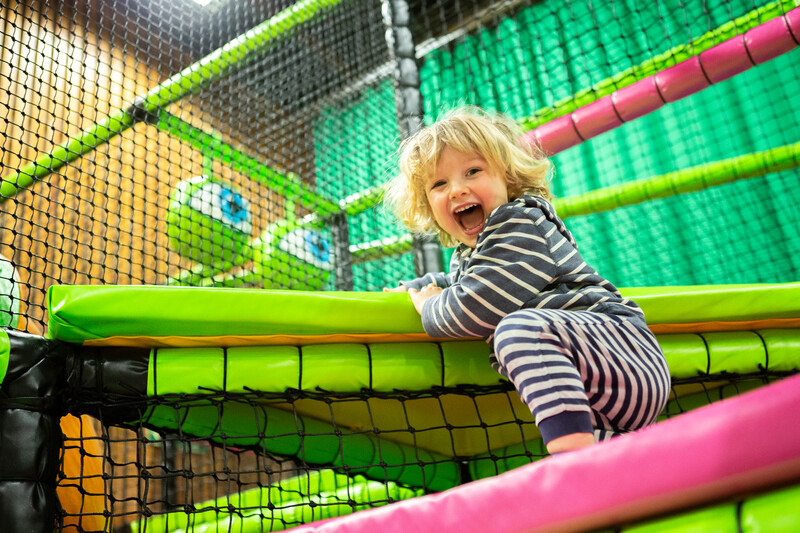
(580, 356)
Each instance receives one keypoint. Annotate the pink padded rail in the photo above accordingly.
(720, 451)
(762, 43)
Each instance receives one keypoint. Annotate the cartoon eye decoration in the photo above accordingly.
(208, 221)
(222, 204)
(309, 246)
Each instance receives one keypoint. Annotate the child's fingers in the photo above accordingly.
(401, 288)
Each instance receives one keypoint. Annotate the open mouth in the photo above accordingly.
(470, 217)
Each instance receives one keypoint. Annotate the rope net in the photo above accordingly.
(244, 144)
(228, 479)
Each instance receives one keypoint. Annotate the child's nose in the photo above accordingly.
(458, 188)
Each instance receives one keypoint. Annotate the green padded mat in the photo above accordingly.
(81, 313)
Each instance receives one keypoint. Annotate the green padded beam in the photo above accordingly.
(85, 313)
(683, 181)
(418, 366)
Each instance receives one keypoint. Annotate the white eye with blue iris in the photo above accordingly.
(224, 205)
(309, 246)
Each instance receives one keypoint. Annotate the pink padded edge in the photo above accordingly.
(726, 59)
(596, 118)
(769, 40)
(637, 99)
(555, 136)
(681, 80)
(720, 62)
(723, 450)
(793, 21)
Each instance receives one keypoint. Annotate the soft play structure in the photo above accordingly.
(193, 246)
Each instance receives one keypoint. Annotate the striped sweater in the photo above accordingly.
(524, 258)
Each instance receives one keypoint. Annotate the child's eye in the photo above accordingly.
(472, 171)
(437, 183)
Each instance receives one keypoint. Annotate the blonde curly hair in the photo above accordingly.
(496, 138)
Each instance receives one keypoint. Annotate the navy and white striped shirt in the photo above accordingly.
(524, 258)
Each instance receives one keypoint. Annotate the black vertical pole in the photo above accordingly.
(340, 235)
(408, 101)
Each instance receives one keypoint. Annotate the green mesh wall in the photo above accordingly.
(355, 144)
(540, 56)
(531, 59)
(739, 233)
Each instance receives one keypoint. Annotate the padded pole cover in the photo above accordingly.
(30, 411)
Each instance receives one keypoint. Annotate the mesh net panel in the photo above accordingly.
(241, 144)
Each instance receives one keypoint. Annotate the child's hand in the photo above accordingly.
(420, 297)
(401, 288)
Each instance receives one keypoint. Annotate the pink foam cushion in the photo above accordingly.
(681, 80)
(637, 99)
(555, 136)
(722, 450)
(769, 40)
(596, 118)
(726, 60)
(793, 22)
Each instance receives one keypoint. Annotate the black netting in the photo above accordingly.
(244, 143)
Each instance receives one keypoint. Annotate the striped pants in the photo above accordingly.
(582, 372)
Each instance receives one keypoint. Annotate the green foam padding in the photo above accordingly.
(5, 354)
(466, 363)
(507, 458)
(350, 361)
(783, 347)
(290, 501)
(385, 367)
(382, 367)
(285, 433)
(777, 510)
(717, 303)
(686, 353)
(417, 366)
(84, 312)
(720, 519)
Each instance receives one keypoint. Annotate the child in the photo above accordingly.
(580, 356)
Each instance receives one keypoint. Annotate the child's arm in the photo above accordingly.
(510, 266)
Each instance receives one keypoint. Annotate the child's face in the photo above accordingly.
(462, 193)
